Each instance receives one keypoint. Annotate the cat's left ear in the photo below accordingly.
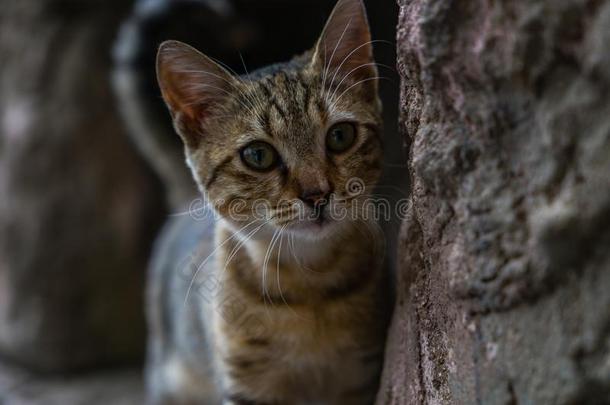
(345, 45)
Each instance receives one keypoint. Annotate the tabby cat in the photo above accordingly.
(269, 296)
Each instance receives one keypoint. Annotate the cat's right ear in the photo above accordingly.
(192, 85)
(345, 46)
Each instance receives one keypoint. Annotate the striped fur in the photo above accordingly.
(283, 310)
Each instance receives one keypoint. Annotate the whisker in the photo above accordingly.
(196, 86)
(279, 213)
(333, 54)
(334, 103)
(349, 55)
(239, 245)
(286, 221)
(265, 263)
(338, 86)
(188, 291)
(297, 260)
(243, 63)
(224, 65)
(256, 98)
(279, 286)
(230, 83)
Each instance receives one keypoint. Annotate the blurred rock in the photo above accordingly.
(118, 387)
(78, 208)
(504, 280)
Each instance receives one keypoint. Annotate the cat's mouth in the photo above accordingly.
(310, 220)
(313, 221)
(317, 225)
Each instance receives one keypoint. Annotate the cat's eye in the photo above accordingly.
(259, 156)
(340, 137)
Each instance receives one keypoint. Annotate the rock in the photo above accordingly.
(79, 208)
(503, 293)
(117, 387)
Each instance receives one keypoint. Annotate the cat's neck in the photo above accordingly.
(267, 247)
(288, 268)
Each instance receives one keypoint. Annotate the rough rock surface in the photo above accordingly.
(78, 208)
(504, 278)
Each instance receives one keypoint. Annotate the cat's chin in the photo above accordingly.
(314, 230)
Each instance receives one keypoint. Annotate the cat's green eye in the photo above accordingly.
(340, 137)
(259, 156)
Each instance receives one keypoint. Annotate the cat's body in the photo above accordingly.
(287, 308)
(305, 350)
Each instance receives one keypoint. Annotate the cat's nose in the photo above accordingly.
(315, 198)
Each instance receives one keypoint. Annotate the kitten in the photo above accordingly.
(288, 307)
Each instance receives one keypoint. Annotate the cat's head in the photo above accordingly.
(294, 139)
